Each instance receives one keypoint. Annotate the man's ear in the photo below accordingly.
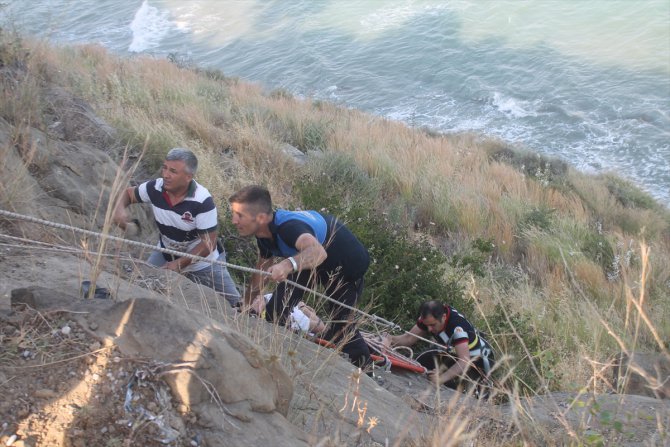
(264, 218)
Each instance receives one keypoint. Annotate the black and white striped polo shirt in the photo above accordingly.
(180, 225)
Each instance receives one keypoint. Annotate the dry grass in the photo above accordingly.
(568, 304)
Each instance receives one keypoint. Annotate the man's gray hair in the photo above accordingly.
(188, 157)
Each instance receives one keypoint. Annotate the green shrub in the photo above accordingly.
(12, 52)
(281, 93)
(155, 144)
(598, 249)
(404, 271)
(542, 358)
(547, 170)
(181, 60)
(474, 259)
(628, 194)
(540, 218)
(309, 135)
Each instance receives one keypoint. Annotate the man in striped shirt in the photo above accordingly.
(187, 222)
(466, 357)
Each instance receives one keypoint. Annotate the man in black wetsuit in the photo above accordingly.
(465, 352)
(314, 249)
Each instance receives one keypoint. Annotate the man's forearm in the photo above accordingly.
(258, 281)
(456, 370)
(203, 249)
(309, 258)
(403, 340)
(120, 216)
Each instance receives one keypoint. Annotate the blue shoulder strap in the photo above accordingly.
(315, 221)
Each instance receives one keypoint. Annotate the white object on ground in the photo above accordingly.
(299, 321)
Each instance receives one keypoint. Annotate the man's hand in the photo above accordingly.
(172, 265)
(280, 271)
(120, 215)
(386, 340)
(133, 227)
(258, 304)
(434, 376)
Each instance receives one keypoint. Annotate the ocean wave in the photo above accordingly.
(514, 108)
(149, 27)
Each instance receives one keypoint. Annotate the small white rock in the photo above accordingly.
(66, 330)
(10, 440)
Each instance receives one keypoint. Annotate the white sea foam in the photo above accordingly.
(149, 27)
(331, 92)
(511, 107)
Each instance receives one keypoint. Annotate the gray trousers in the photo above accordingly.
(215, 277)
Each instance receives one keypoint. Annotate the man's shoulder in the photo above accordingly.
(150, 190)
(308, 218)
(156, 184)
(201, 194)
(457, 322)
(282, 214)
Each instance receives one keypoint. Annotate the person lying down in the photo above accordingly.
(302, 318)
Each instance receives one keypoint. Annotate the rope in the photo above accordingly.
(103, 236)
(376, 344)
(375, 318)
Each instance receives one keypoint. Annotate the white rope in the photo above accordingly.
(372, 317)
(104, 236)
(375, 342)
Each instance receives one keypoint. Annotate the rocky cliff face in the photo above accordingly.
(224, 387)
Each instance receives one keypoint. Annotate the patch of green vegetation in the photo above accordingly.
(404, 271)
(281, 93)
(181, 60)
(155, 145)
(597, 248)
(628, 194)
(632, 223)
(547, 170)
(213, 93)
(508, 327)
(540, 218)
(309, 135)
(12, 53)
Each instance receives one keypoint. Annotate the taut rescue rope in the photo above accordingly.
(375, 318)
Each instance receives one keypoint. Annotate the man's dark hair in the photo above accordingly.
(255, 195)
(433, 308)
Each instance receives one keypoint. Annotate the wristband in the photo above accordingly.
(293, 263)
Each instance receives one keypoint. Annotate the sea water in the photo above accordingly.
(588, 82)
